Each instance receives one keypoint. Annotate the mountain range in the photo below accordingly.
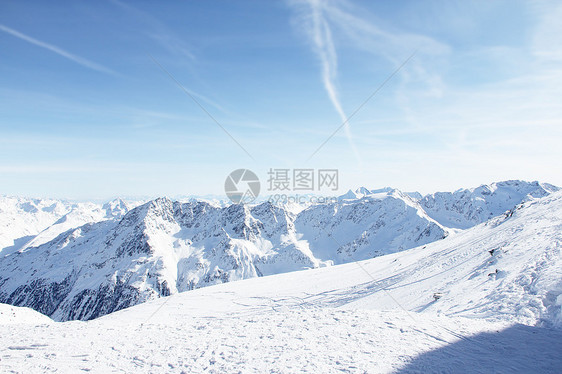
(82, 260)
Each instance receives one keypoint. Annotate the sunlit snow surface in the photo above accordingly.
(500, 312)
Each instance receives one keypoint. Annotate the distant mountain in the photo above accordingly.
(468, 207)
(21, 218)
(31, 222)
(373, 224)
(123, 257)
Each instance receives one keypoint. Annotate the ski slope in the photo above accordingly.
(500, 311)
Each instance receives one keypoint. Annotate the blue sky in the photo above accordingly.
(86, 113)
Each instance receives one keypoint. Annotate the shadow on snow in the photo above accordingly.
(517, 349)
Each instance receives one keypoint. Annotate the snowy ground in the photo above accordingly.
(500, 312)
(261, 334)
(303, 340)
(15, 315)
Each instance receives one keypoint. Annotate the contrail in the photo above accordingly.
(326, 51)
(79, 60)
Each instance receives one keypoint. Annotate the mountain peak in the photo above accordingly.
(363, 192)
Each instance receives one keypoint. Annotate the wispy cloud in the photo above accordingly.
(320, 34)
(157, 31)
(167, 39)
(324, 20)
(61, 52)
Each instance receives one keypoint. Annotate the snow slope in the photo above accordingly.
(12, 314)
(283, 340)
(500, 311)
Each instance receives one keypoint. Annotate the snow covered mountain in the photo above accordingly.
(165, 247)
(373, 224)
(508, 269)
(486, 299)
(24, 218)
(31, 222)
(73, 271)
(468, 207)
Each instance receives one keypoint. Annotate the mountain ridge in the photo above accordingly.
(164, 247)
